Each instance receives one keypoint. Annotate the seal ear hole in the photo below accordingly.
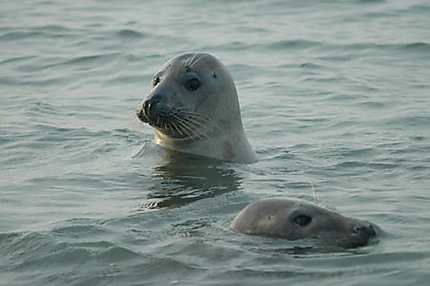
(214, 75)
(302, 220)
(193, 84)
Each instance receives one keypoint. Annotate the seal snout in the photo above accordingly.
(149, 110)
(150, 107)
(367, 231)
(141, 114)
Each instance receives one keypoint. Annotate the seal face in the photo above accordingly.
(194, 108)
(294, 220)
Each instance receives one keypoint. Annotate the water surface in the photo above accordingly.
(334, 97)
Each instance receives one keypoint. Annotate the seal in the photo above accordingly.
(194, 108)
(293, 220)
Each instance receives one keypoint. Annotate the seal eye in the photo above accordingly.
(155, 80)
(193, 84)
(302, 220)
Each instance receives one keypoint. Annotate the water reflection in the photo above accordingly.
(182, 178)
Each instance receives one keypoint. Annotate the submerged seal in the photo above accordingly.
(294, 220)
(194, 108)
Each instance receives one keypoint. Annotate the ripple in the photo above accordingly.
(16, 59)
(49, 31)
(297, 44)
(18, 35)
(312, 66)
(360, 164)
(417, 46)
(131, 34)
(89, 59)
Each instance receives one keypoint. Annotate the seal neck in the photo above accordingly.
(231, 147)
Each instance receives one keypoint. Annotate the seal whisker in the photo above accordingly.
(180, 124)
(196, 61)
(210, 126)
(168, 126)
(188, 115)
(314, 194)
(188, 63)
(200, 119)
(174, 126)
(196, 132)
(193, 114)
(177, 129)
(200, 126)
(188, 131)
(192, 133)
(203, 129)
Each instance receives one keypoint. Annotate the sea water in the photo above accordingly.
(335, 101)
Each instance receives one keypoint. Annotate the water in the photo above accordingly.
(334, 95)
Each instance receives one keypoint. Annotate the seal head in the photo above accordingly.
(194, 108)
(294, 220)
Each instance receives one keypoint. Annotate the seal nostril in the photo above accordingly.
(146, 106)
(141, 114)
(150, 104)
(150, 109)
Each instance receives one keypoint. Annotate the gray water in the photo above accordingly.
(334, 98)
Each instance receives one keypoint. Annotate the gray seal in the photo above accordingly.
(194, 108)
(293, 220)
